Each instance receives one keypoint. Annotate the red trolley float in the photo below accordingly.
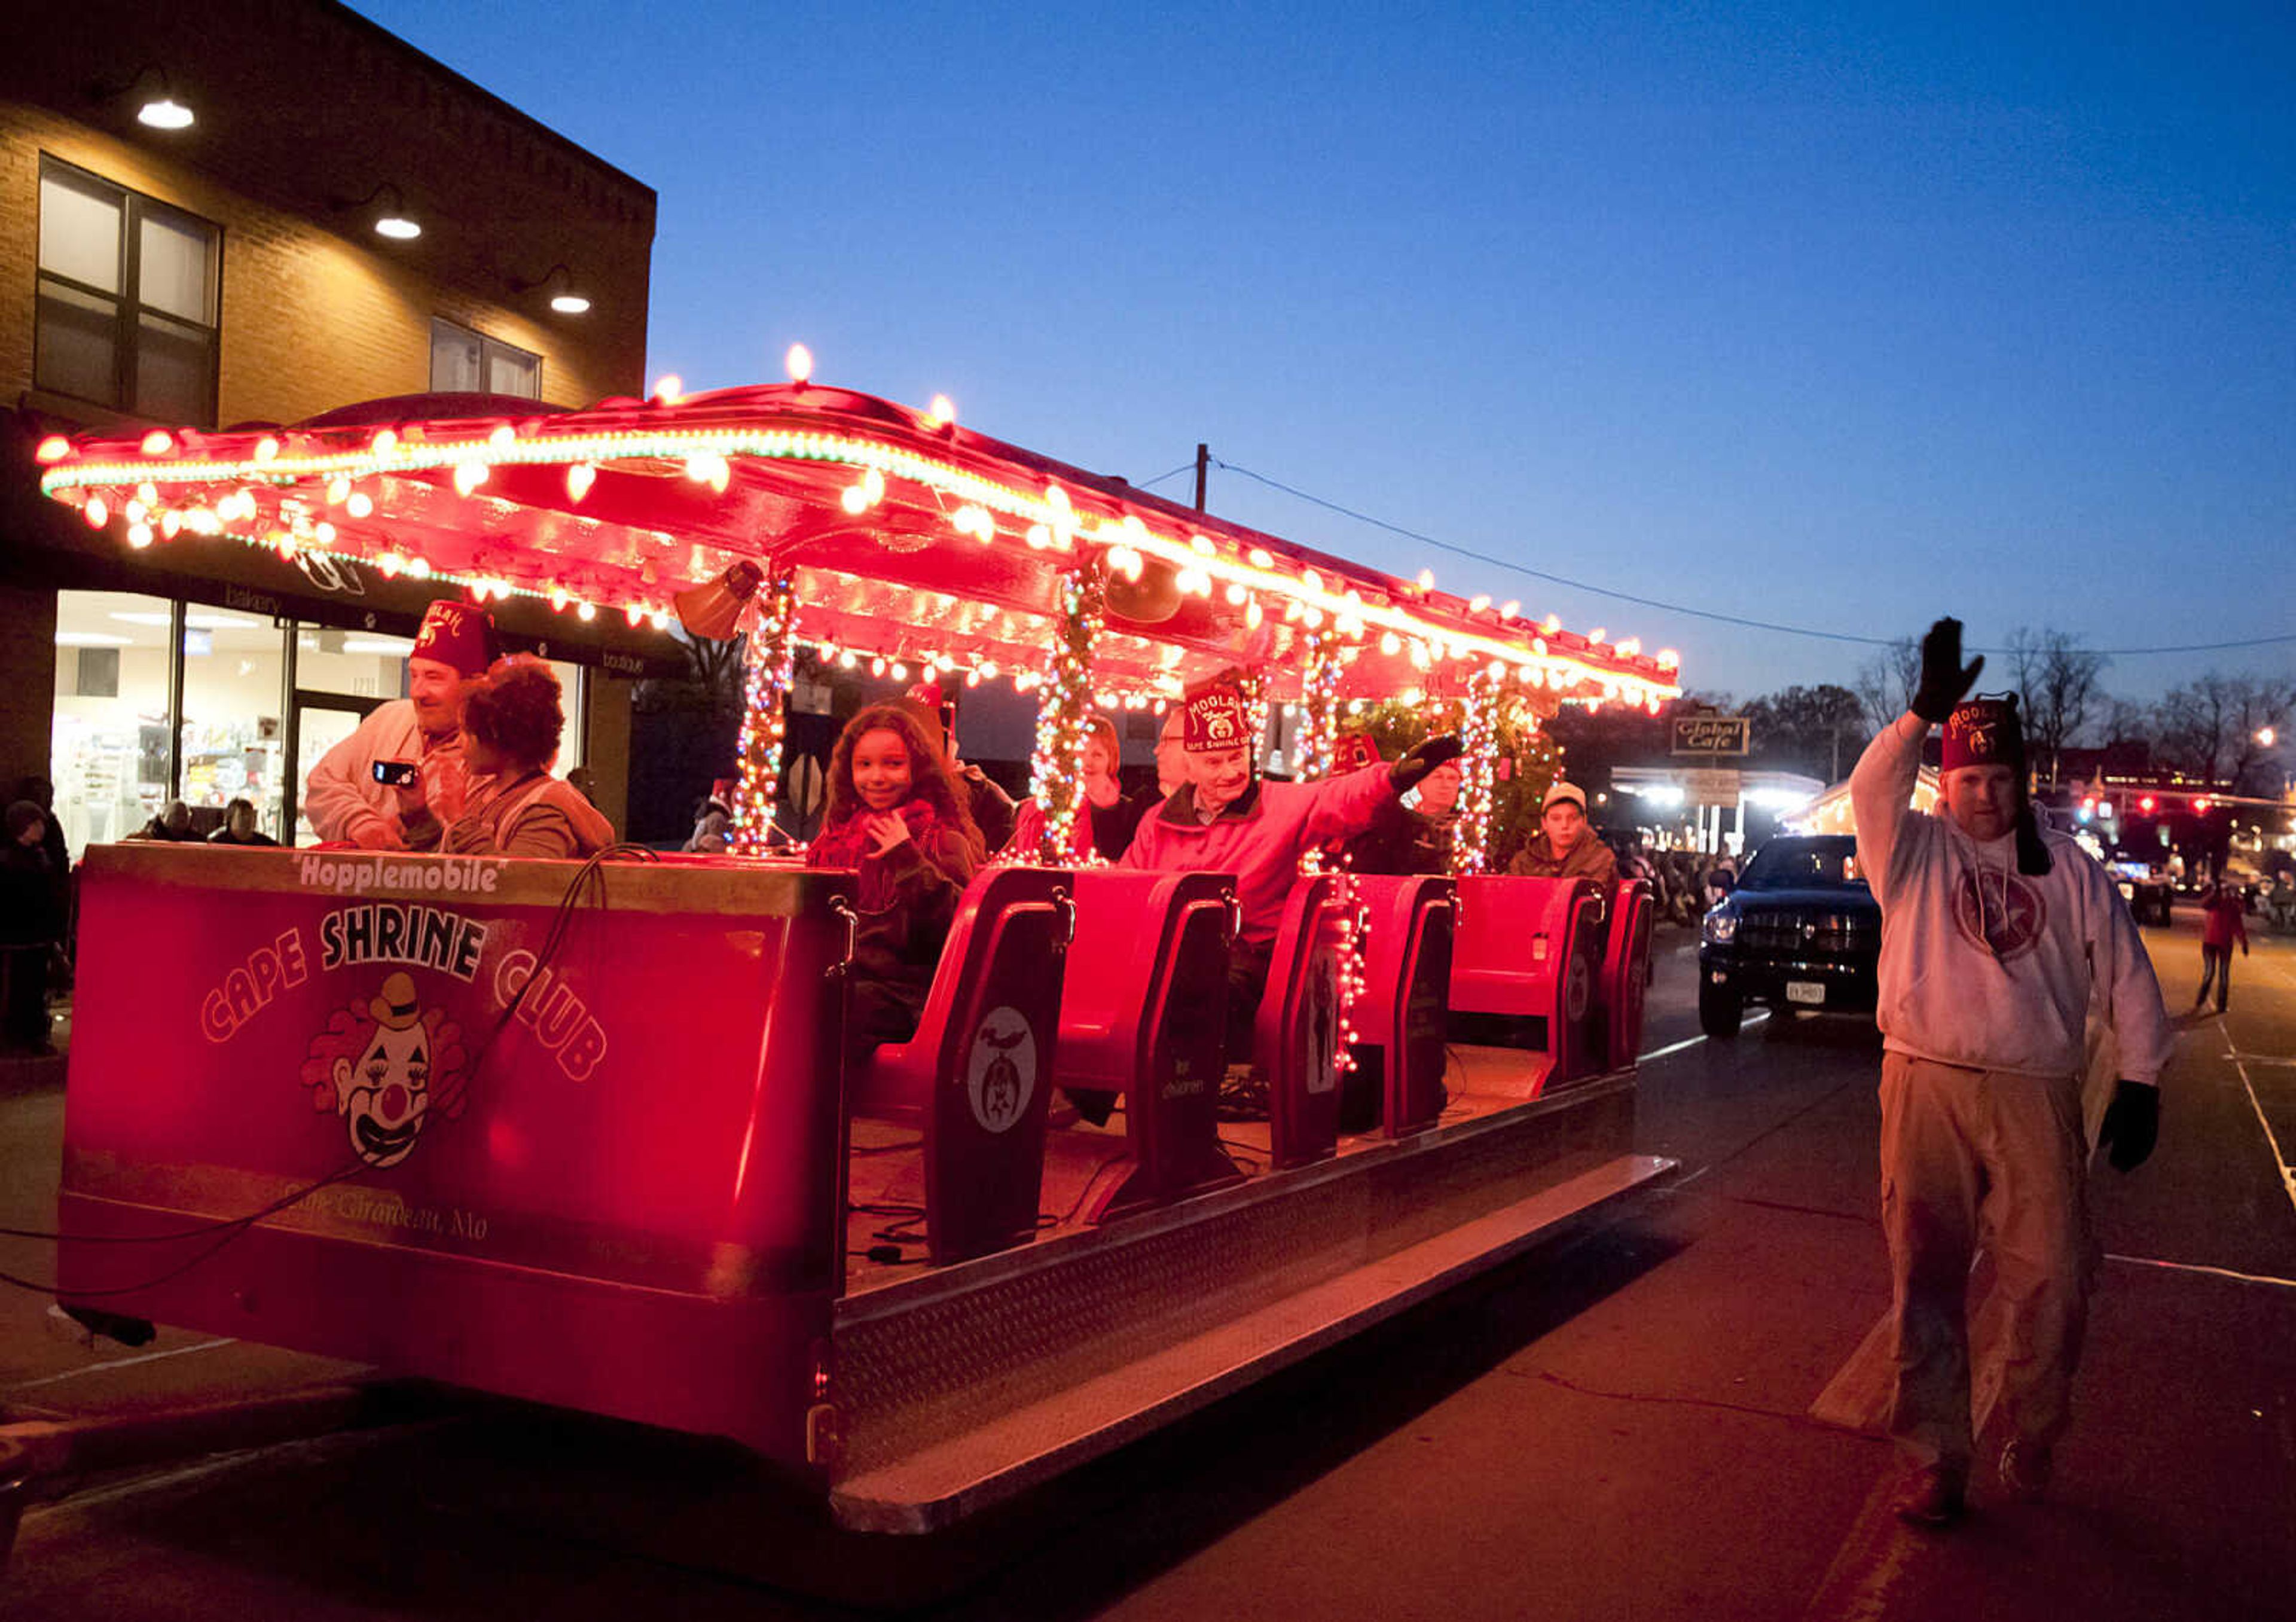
(589, 1136)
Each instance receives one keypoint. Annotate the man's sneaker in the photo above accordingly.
(2025, 1468)
(1933, 1495)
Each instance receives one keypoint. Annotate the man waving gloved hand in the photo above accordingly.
(1406, 773)
(1994, 932)
(1944, 677)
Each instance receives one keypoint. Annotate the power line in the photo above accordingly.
(1187, 466)
(1684, 608)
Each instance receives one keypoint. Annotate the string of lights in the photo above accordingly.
(1057, 771)
(768, 665)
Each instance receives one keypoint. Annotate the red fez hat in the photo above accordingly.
(1984, 732)
(722, 791)
(937, 708)
(1212, 720)
(1352, 751)
(460, 634)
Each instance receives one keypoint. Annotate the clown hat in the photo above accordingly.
(394, 1006)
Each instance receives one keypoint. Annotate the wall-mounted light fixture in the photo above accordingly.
(567, 300)
(390, 220)
(157, 107)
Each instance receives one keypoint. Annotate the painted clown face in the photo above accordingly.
(385, 1093)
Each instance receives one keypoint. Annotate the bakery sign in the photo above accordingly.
(1712, 736)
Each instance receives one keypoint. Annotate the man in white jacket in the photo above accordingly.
(1998, 940)
(341, 795)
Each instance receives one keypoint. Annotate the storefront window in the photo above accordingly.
(110, 758)
(234, 671)
(109, 755)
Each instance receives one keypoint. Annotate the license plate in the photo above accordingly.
(1805, 991)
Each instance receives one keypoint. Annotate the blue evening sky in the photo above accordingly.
(1837, 317)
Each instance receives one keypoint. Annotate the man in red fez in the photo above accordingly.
(342, 796)
(1225, 821)
(1999, 938)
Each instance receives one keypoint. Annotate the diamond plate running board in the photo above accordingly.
(1027, 1442)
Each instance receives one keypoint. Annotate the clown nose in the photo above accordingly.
(393, 1103)
(713, 609)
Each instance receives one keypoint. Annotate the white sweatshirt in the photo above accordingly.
(345, 803)
(1984, 966)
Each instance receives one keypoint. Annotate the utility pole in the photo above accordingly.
(1203, 463)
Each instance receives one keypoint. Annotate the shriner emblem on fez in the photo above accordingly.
(1983, 732)
(1213, 721)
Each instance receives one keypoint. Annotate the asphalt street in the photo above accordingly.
(1621, 1430)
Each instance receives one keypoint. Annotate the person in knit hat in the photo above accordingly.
(1566, 845)
(1226, 821)
(1998, 939)
(713, 824)
(341, 797)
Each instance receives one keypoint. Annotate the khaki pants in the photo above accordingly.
(1998, 1155)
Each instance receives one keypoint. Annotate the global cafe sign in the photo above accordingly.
(1712, 736)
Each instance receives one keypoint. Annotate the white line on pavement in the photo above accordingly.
(2279, 1156)
(2221, 1273)
(1689, 1041)
(118, 1362)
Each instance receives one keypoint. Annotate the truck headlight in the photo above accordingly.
(1720, 927)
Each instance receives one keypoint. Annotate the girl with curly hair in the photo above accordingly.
(511, 721)
(896, 816)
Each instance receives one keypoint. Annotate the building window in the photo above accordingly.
(465, 362)
(128, 292)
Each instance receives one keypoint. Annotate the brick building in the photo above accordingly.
(260, 210)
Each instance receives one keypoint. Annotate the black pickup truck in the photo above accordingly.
(1801, 930)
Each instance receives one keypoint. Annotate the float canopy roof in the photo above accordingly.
(907, 536)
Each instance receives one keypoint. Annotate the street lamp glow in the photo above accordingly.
(2266, 736)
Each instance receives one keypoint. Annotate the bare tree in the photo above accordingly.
(2057, 689)
(1887, 682)
(1809, 730)
(2208, 728)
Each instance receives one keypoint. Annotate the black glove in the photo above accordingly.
(1406, 773)
(2132, 1125)
(1943, 679)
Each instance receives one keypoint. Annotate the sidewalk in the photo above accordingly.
(51, 1368)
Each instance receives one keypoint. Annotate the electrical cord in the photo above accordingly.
(588, 882)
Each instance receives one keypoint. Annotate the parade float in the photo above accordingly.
(588, 1135)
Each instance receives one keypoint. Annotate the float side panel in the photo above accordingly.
(654, 1128)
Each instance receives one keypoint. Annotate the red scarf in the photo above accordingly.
(848, 843)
